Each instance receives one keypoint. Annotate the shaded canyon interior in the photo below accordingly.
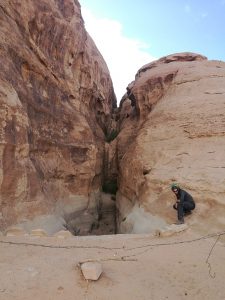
(70, 158)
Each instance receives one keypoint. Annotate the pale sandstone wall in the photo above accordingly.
(56, 98)
(175, 116)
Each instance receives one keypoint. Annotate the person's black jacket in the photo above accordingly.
(183, 196)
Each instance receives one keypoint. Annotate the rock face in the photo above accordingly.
(56, 98)
(57, 111)
(173, 130)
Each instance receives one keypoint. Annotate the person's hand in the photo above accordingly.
(175, 205)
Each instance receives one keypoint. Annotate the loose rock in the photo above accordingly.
(63, 234)
(15, 231)
(38, 232)
(171, 230)
(91, 270)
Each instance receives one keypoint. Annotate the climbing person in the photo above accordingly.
(184, 204)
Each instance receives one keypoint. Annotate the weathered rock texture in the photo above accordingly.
(56, 98)
(173, 130)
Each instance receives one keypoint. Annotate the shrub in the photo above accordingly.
(111, 135)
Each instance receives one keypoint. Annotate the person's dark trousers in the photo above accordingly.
(184, 208)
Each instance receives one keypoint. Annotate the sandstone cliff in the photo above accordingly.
(172, 130)
(57, 111)
(56, 99)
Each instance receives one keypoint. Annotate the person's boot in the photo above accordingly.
(179, 222)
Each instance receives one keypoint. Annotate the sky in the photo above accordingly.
(130, 34)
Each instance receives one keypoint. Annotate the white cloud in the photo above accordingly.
(123, 55)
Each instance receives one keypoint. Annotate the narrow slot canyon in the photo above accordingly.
(96, 221)
(100, 217)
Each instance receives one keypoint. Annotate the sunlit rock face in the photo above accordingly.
(172, 130)
(56, 99)
(62, 141)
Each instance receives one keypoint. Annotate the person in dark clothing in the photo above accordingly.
(184, 204)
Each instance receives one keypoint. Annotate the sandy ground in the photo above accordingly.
(132, 268)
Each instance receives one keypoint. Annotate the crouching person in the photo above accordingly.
(184, 203)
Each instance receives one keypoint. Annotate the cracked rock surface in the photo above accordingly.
(174, 112)
(56, 98)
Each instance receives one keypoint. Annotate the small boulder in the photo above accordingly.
(63, 234)
(171, 230)
(15, 231)
(91, 270)
(38, 232)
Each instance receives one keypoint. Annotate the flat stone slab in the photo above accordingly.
(63, 234)
(171, 230)
(91, 270)
(15, 231)
(38, 232)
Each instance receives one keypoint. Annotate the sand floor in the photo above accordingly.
(133, 269)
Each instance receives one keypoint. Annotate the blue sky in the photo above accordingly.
(153, 29)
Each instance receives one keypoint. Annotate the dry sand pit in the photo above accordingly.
(173, 272)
